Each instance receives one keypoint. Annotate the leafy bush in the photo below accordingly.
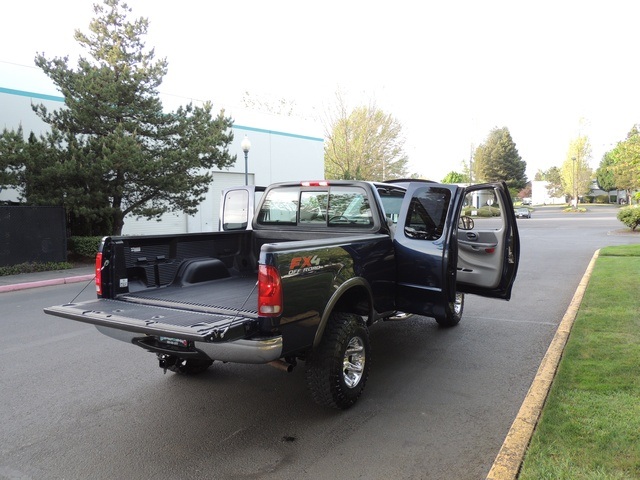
(485, 211)
(630, 216)
(30, 267)
(84, 246)
(575, 210)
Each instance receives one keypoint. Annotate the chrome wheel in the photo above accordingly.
(338, 368)
(353, 362)
(458, 304)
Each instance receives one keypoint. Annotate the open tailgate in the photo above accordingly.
(158, 321)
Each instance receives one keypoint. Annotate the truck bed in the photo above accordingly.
(226, 295)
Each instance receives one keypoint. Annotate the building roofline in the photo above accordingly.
(55, 98)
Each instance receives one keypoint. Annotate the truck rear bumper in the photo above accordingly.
(262, 350)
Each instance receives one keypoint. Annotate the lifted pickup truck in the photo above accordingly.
(303, 279)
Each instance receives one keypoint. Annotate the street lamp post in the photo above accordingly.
(246, 146)
(575, 190)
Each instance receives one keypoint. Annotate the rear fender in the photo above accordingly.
(353, 296)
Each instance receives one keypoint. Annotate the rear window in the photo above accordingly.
(279, 208)
(333, 207)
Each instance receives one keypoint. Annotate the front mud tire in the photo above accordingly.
(453, 313)
(337, 370)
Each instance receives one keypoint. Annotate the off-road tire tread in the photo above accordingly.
(323, 367)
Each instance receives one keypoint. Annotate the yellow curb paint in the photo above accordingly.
(507, 464)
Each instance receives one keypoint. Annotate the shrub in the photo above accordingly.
(84, 246)
(630, 216)
(485, 211)
(30, 267)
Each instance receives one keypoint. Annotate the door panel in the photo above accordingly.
(488, 245)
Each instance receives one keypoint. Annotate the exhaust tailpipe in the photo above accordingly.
(282, 365)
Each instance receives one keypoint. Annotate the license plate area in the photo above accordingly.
(176, 342)
(167, 345)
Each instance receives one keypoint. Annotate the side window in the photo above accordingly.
(427, 214)
(482, 205)
(392, 203)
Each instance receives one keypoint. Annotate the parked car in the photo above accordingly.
(523, 213)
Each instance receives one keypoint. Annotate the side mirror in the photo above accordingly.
(465, 223)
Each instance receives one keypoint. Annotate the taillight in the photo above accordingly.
(269, 291)
(99, 273)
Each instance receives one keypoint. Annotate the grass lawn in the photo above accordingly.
(590, 425)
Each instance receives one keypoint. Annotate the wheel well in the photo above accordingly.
(355, 300)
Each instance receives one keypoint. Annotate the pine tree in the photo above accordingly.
(498, 160)
(112, 150)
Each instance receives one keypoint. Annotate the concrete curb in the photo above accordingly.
(509, 460)
(45, 283)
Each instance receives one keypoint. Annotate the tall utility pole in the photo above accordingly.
(575, 189)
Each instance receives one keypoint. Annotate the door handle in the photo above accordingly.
(472, 236)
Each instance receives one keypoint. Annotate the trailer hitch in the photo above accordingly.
(166, 361)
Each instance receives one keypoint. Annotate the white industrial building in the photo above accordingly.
(282, 148)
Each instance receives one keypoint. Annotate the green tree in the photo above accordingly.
(575, 171)
(112, 151)
(455, 177)
(12, 157)
(605, 175)
(498, 160)
(364, 144)
(554, 185)
(626, 161)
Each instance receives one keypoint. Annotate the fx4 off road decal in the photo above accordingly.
(304, 264)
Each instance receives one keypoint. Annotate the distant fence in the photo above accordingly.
(32, 234)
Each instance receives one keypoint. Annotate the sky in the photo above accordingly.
(447, 71)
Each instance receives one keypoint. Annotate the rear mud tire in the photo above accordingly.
(337, 370)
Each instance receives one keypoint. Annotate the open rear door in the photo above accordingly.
(451, 239)
(488, 242)
(425, 247)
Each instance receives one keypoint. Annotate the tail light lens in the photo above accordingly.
(269, 291)
(99, 273)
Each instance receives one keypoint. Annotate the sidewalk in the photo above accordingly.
(12, 283)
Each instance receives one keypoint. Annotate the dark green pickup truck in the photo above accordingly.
(303, 277)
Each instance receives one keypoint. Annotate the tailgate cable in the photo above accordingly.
(221, 335)
(106, 263)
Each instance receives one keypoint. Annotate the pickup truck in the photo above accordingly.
(304, 276)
